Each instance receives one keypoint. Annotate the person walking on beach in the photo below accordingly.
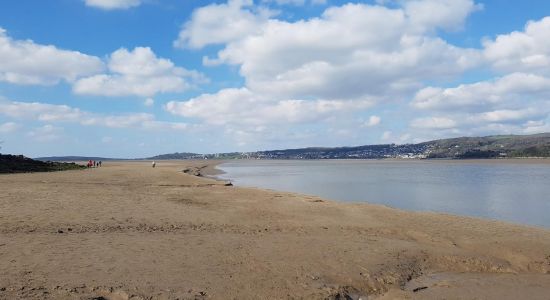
(154, 164)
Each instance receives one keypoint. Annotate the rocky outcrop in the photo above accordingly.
(22, 164)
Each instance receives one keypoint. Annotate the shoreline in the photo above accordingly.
(128, 229)
(213, 172)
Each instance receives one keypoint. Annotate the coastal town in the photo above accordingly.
(511, 146)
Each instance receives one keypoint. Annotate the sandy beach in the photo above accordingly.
(129, 231)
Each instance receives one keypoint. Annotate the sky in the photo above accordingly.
(137, 78)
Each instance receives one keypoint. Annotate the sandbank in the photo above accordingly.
(129, 231)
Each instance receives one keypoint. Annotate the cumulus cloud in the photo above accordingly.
(221, 23)
(149, 102)
(40, 111)
(517, 103)
(433, 123)
(241, 106)
(8, 127)
(46, 133)
(536, 127)
(113, 4)
(373, 121)
(444, 14)
(351, 51)
(26, 62)
(342, 62)
(386, 136)
(313, 70)
(53, 113)
(510, 115)
(138, 73)
(521, 51)
(296, 2)
(515, 89)
(118, 121)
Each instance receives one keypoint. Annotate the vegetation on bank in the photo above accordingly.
(501, 146)
(22, 164)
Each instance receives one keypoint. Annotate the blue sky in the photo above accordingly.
(135, 78)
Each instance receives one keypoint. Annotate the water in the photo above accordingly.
(518, 192)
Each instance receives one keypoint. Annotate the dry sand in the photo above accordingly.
(128, 231)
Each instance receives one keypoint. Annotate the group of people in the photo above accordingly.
(94, 164)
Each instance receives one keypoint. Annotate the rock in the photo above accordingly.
(193, 171)
(419, 289)
(228, 184)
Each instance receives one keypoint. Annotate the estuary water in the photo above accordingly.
(514, 191)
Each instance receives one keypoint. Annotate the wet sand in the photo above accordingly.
(128, 231)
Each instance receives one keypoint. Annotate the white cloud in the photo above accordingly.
(444, 14)
(8, 127)
(373, 121)
(46, 133)
(386, 136)
(25, 62)
(433, 123)
(149, 102)
(221, 23)
(536, 127)
(241, 106)
(296, 2)
(138, 73)
(508, 115)
(65, 114)
(40, 111)
(516, 103)
(113, 4)
(527, 51)
(119, 121)
(286, 2)
(344, 61)
(512, 90)
(352, 51)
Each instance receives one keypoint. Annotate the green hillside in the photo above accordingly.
(513, 146)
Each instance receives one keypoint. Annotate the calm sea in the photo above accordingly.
(506, 190)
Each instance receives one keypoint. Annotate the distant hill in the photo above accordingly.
(22, 164)
(186, 155)
(537, 145)
(76, 158)
(499, 146)
(183, 155)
